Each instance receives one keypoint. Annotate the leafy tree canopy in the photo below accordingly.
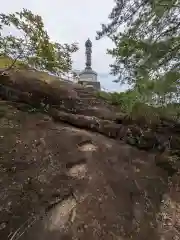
(32, 46)
(146, 35)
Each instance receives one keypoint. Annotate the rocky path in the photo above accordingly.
(70, 169)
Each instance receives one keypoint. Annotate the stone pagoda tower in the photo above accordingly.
(88, 76)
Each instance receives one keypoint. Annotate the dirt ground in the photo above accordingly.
(72, 168)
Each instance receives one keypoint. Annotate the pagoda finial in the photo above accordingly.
(88, 45)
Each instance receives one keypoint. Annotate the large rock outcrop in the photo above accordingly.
(72, 167)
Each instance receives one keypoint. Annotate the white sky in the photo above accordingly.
(69, 21)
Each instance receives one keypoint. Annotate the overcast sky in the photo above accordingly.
(69, 21)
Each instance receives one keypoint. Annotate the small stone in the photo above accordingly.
(2, 225)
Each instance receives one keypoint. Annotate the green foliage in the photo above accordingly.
(33, 47)
(124, 100)
(131, 103)
(5, 62)
(146, 35)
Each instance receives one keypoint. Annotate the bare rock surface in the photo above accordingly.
(71, 167)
